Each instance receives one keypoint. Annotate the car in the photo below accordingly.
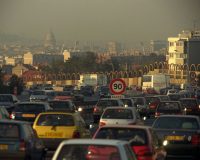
(63, 105)
(4, 113)
(104, 103)
(8, 101)
(94, 149)
(19, 141)
(169, 107)
(143, 140)
(120, 115)
(141, 105)
(53, 127)
(38, 95)
(180, 134)
(191, 106)
(28, 111)
(128, 102)
(104, 92)
(152, 102)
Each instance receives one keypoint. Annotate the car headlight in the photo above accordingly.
(165, 143)
(80, 109)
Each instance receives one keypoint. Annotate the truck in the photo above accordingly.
(156, 81)
(92, 80)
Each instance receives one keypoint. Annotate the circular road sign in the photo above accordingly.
(117, 86)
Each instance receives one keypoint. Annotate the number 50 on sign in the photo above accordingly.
(117, 86)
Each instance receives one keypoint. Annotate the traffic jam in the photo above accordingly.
(102, 123)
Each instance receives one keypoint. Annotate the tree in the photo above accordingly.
(17, 82)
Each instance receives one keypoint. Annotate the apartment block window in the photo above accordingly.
(171, 43)
(171, 54)
(179, 43)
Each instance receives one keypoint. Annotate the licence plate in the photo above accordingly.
(189, 110)
(3, 147)
(28, 115)
(175, 138)
(51, 134)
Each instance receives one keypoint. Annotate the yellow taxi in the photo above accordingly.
(53, 127)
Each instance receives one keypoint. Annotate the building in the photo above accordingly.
(66, 55)
(50, 41)
(157, 46)
(184, 49)
(44, 59)
(114, 48)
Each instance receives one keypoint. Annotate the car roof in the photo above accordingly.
(181, 116)
(32, 102)
(188, 99)
(59, 112)
(13, 121)
(130, 108)
(94, 141)
(125, 126)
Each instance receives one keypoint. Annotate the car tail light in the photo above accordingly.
(195, 139)
(102, 124)
(142, 152)
(153, 105)
(96, 109)
(12, 115)
(76, 134)
(22, 145)
(157, 114)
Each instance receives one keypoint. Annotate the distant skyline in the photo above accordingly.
(126, 21)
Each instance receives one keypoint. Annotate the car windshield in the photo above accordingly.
(136, 136)
(6, 98)
(107, 103)
(8, 130)
(92, 152)
(118, 114)
(178, 123)
(169, 107)
(31, 108)
(55, 120)
(63, 93)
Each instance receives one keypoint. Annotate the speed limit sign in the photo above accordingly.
(117, 86)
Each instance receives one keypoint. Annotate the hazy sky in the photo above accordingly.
(99, 20)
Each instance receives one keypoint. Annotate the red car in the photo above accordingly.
(142, 139)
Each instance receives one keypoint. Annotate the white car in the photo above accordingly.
(120, 115)
(94, 149)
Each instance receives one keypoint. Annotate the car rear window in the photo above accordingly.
(39, 93)
(152, 99)
(168, 107)
(118, 114)
(174, 97)
(189, 103)
(6, 98)
(61, 105)
(63, 94)
(55, 120)
(107, 103)
(136, 136)
(177, 123)
(8, 130)
(164, 98)
(35, 108)
(85, 151)
(139, 101)
(127, 102)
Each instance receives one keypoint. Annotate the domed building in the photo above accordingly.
(50, 41)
